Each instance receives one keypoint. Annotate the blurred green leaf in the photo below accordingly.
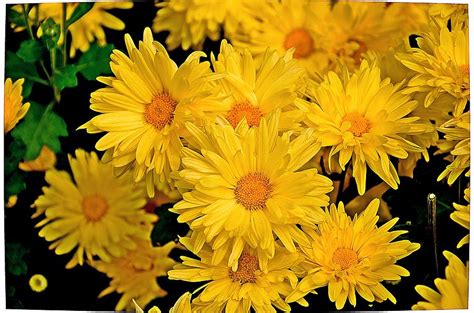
(51, 33)
(65, 77)
(41, 126)
(80, 11)
(13, 157)
(95, 61)
(16, 68)
(14, 17)
(15, 254)
(14, 184)
(30, 51)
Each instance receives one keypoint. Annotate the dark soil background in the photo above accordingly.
(77, 289)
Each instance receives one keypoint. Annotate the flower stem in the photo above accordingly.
(431, 204)
(64, 32)
(341, 186)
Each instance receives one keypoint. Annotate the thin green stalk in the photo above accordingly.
(64, 32)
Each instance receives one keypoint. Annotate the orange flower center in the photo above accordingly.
(160, 111)
(345, 258)
(357, 54)
(248, 265)
(301, 40)
(359, 125)
(94, 207)
(253, 191)
(241, 110)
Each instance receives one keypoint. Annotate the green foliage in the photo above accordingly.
(14, 17)
(16, 68)
(16, 151)
(51, 33)
(30, 51)
(80, 11)
(15, 253)
(65, 77)
(95, 61)
(167, 228)
(14, 184)
(41, 126)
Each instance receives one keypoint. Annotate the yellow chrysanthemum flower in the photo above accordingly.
(443, 12)
(189, 22)
(363, 118)
(183, 305)
(410, 18)
(453, 291)
(353, 255)
(251, 92)
(245, 185)
(238, 290)
(462, 215)
(100, 214)
(457, 142)
(135, 274)
(13, 108)
(45, 161)
(88, 28)
(285, 25)
(38, 283)
(144, 109)
(441, 64)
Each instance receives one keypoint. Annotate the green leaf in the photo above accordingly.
(15, 253)
(65, 77)
(16, 68)
(41, 126)
(51, 33)
(14, 184)
(95, 61)
(16, 151)
(14, 17)
(80, 11)
(30, 51)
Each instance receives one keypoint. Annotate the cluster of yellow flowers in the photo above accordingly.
(237, 138)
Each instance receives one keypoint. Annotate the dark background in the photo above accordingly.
(77, 289)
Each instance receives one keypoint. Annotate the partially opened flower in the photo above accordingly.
(134, 275)
(353, 256)
(96, 214)
(251, 90)
(452, 291)
(13, 108)
(457, 143)
(240, 289)
(462, 215)
(144, 109)
(363, 119)
(244, 186)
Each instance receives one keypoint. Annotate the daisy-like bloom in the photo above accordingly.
(285, 25)
(144, 109)
(410, 17)
(189, 22)
(363, 118)
(441, 65)
(238, 290)
(457, 142)
(251, 92)
(98, 213)
(452, 291)
(461, 215)
(183, 305)
(38, 283)
(13, 108)
(135, 274)
(45, 161)
(89, 28)
(442, 13)
(245, 185)
(353, 255)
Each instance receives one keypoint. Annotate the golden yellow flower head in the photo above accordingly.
(240, 289)
(183, 305)
(97, 213)
(45, 161)
(462, 215)
(245, 186)
(38, 283)
(363, 118)
(353, 256)
(452, 291)
(13, 108)
(189, 22)
(251, 90)
(89, 27)
(440, 65)
(457, 143)
(144, 109)
(135, 274)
